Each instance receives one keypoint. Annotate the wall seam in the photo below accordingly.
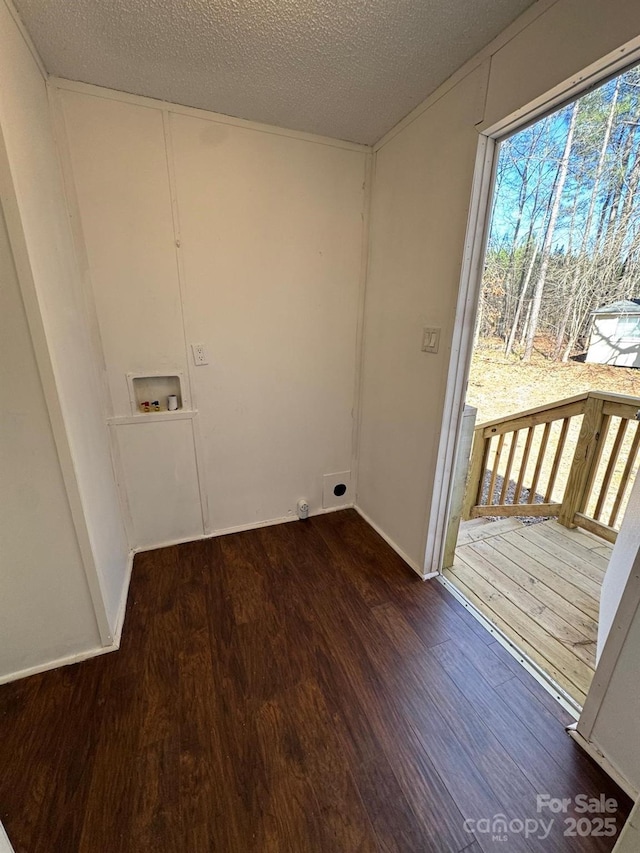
(182, 288)
(360, 322)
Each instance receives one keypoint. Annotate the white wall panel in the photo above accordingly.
(266, 251)
(161, 480)
(270, 231)
(121, 183)
(418, 223)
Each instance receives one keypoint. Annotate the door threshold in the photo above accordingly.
(553, 688)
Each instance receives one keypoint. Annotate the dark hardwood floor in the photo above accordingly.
(294, 688)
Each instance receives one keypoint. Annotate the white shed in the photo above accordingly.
(615, 334)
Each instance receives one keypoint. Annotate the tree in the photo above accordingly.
(563, 168)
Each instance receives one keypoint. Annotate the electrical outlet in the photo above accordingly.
(430, 339)
(200, 356)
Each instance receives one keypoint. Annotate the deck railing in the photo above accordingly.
(574, 459)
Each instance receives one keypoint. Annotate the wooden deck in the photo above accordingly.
(540, 584)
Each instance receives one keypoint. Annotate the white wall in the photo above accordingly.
(37, 181)
(259, 259)
(624, 553)
(420, 198)
(616, 731)
(421, 195)
(45, 606)
(610, 720)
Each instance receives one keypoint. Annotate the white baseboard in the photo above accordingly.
(416, 568)
(239, 528)
(56, 663)
(603, 762)
(78, 657)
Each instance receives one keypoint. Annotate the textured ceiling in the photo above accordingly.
(349, 69)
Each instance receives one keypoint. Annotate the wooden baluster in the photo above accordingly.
(608, 474)
(595, 462)
(507, 472)
(477, 468)
(633, 453)
(541, 454)
(556, 459)
(585, 461)
(494, 470)
(523, 464)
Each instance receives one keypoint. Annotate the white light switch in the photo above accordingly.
(430, 339)
(200, 355)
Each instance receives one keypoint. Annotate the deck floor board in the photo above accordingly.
(540, 584)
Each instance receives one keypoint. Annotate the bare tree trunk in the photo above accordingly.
(600, 167)
(525, 327)
(523, 293)
(548, 240)
(527, 271)
(579, 272)
(568, 310)
(511, 268)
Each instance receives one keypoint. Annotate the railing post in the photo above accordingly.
(585, 462)
(477, 468)
(458, 486)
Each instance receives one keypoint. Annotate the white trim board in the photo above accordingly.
(602, 761)
(151, 417)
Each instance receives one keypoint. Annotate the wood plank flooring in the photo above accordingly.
(541, 585)
(291, 689)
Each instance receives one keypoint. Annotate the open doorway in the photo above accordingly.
(550, 438)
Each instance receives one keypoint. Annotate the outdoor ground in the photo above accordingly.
(502, 386)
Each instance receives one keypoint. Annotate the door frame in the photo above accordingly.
(478, 223)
